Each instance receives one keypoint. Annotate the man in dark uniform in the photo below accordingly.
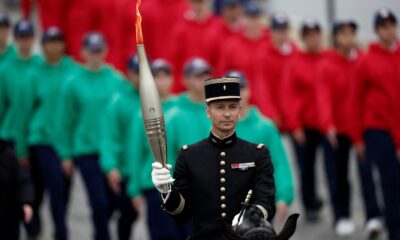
(212, 177)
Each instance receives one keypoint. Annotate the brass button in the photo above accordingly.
(222, 163)
(223, 206)
(223, 215)
(222, 189)
(223, 198)
(222, 171)
(223, 154)
(222, 180)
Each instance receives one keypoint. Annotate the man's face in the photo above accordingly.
(232, 12)
(4, 32)
(198, 6)
(224, 114)
(280, 35)
(163, 81)
(253, 23)
(94, 57)
(387, 32)
(53, 48)
(313, 40)
(24, 44)
(195, 83)
(346, 38)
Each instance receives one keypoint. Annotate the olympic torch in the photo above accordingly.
(152, 113)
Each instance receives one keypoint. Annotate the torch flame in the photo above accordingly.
(138, 24)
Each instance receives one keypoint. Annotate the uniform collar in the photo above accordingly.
(222, 143)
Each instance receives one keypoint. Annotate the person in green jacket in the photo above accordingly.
(46, 82)
(189, 110)
(141, 158)
(83, 103)
(15, 106)
(114, 146)
(6, 50)
(255, 128)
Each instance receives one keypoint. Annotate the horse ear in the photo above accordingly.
(289, 228)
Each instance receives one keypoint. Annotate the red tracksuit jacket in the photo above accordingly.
(217, 39)
(272, 66)
(299, 91)
(238, 53)
(375, 93)
(93, 15)
(189, 41)
(159, 17)
(51, 12)
(335, 75)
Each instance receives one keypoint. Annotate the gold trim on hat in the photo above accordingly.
(222, 98)
(221, 80)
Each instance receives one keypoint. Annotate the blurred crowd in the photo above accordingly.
(76, 107)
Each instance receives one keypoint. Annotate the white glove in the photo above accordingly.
(235, 221)
(161, 176)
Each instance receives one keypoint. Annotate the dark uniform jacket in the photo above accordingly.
(212, 179)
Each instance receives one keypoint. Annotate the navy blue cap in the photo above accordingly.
(339, 25)
(133, 63)
(310, 24)
(225, 3)
(52, 34)
(252, 9)
(384, 15)
(94, 42)
(279, 21)
(196, 66)
(159, 65)
(24, 28)
(237, 74)
(4, 20)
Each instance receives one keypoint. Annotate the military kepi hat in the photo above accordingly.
(224, 88)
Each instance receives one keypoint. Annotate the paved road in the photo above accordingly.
(80, 227)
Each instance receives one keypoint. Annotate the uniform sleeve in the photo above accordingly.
(264, 184)
(110, 143)
(324, 97)
(66, 121)
(283, 174)
(178, 204)
(291, 99)
(357, 98)
(137, 142)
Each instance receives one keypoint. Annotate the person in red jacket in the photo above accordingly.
(188, 37)
(238, 51)
(272, 65)
(335, 74)
(159, 17)
(232, 15)
(85, 16)
(374, 106)
(51, 12)
(301, 114)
